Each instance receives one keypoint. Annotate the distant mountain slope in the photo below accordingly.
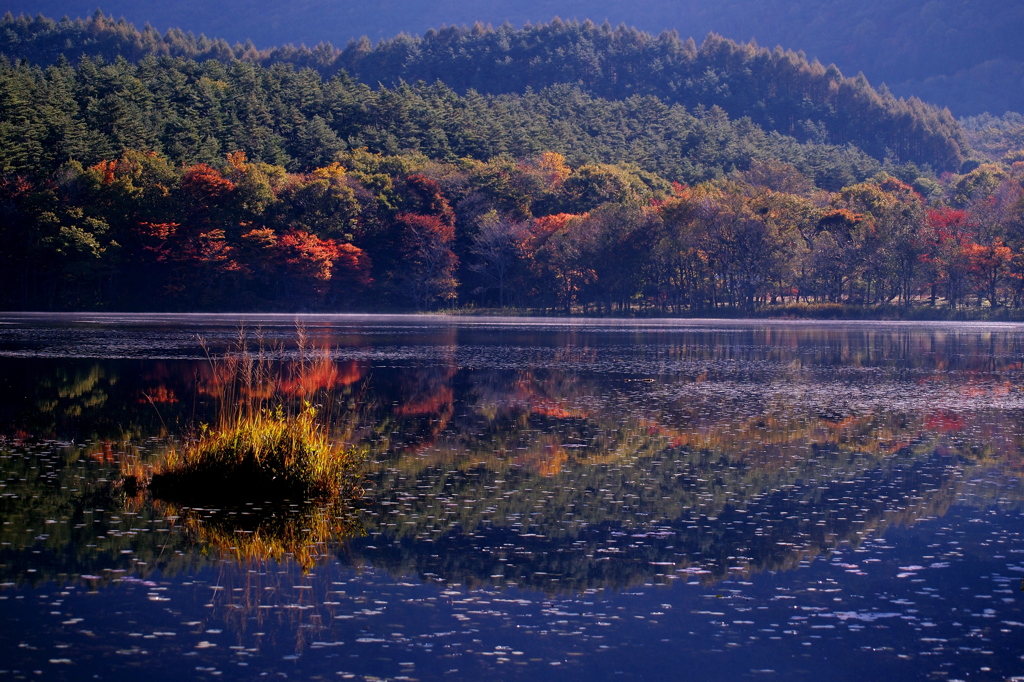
(778, 90)
(196, 113)
(964, 54)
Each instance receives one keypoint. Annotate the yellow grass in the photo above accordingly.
(269, 441)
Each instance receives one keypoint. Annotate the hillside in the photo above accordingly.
(195, 113)
(963, 54)
(777, 90)
(561, 167)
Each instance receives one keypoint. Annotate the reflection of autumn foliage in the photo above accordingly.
(423, 409)
(271, 535)
(428, 392)
(321, 374)
(158, 395)
(505, 414)
(944, 422)
(522, 426)
(715, 520)
(105, 454)
(546, 408)
(541, 399)
(545, 459)
(433, 403)
(317, 373)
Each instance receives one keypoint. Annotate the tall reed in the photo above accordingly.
(271, 439)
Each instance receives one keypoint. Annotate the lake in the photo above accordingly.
(545, 499)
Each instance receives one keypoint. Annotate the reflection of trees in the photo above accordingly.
(80, 399)
(50, 396)
(564, 467)
(91, 399)
(411, 413)
(519, 492)
(642, 519)
(257, 374)
(65, 516)
(538, 474)
(67, 520)
(711, 395)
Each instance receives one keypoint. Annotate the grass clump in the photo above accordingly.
(270, 442)
(264, 455)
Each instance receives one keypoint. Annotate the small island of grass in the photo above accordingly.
(268, 443)
(266, 454)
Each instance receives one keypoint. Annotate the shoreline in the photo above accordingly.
(780, 313)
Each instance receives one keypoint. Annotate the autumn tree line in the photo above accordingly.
(375, 231)
(152, 181)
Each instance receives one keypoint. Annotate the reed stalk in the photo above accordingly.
(270, 440)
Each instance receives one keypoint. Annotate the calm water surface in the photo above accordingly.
(546, 499)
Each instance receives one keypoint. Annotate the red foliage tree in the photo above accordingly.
(352, 266)
(205, 184)
(308, 257)
(948, 233)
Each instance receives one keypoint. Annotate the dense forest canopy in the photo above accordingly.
(198, 112)
(375, 231)
(964, 54)
(561, 167)
(778, 90)
(995, 136)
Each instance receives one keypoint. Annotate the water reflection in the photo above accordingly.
(534, 478)
(563, 461)
(265, 532)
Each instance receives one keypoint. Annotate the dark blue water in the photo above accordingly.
(545, 500)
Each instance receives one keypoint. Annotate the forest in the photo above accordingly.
(778, 90)
(173, 180)
(372, 231)
(943, 51)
